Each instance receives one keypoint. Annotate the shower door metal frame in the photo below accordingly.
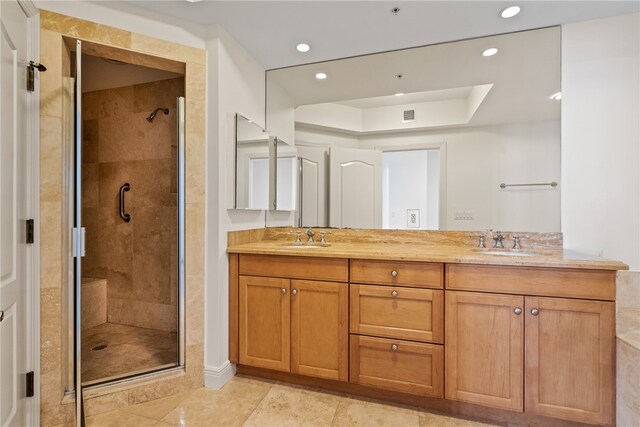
(78, 236)
(78, 247)
(181, 156)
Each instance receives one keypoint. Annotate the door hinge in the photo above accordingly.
(30, 236)
(31, 74)
(78, 242)
(30, 387)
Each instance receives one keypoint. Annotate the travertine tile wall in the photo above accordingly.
(138, 258)
(55, 407)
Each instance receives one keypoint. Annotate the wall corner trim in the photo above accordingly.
(216, 377)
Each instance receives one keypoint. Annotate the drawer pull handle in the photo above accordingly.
(394, 347)
(283, 290)
(518, 311)
(394, 273)
(294, 291)
(534, 311)
(394, 293)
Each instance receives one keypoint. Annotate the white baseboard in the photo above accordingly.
(217, 376)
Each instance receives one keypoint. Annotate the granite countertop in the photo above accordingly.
(555, 258)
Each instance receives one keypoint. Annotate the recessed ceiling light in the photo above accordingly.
(490, 52)
(556, 96)
(321, 76)
(510, 12)
(399, 94)
(303, 47)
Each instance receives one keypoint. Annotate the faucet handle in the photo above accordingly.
(480, 237)
(322, 234)
(516, 241)
(297, 233)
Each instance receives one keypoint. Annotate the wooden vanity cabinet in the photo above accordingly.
(563, 348)
(291, 325)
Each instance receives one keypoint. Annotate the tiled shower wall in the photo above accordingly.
(137, 258)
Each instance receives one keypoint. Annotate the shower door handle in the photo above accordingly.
(125, 216)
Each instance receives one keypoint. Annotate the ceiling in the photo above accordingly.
(270, 30)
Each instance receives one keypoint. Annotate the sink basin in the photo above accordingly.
(506, 252)
(305, 245)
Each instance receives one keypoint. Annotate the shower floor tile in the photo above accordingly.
(128, 349)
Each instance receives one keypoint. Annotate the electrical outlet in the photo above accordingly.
(463, 215)
(413, 218)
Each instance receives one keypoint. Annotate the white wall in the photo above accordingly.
(235, 83)
(601, 138)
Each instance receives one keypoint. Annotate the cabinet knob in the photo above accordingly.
(283, 290)
(394, 293)
(394, 273)
(534, 311)
(294, 291)
(394, 347)
(517, 311)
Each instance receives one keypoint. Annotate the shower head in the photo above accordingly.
(153, 115)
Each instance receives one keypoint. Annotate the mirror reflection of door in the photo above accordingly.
(312, 197)
(355, 188)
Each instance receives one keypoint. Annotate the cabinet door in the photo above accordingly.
(395, 312)
(264, 322)
(484, 349)
(319, 330)
(570, 359)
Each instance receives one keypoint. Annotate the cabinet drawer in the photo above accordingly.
(416, 274)
(397, 312)
(403, 366)
(295, 267)
(555, 282)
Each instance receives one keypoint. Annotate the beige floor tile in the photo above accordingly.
(119, 419)
(286, 406)
(428, 419)
(249, 389)
(352, 412)
(204, 408)
(158, 409)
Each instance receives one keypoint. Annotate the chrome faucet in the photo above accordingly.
(498, 237)
(310, 235)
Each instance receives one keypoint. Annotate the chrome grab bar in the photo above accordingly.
(125, 216)
(551, 184)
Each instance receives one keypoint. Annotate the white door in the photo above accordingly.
(15, 360)
(312, 201)
(355, 195)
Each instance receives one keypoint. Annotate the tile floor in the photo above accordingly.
(252, 402)
(128, 349)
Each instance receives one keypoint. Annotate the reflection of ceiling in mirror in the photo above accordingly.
(431, 109)
(524, 73)
(249, 132)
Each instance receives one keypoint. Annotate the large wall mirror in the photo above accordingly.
(455, 136)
